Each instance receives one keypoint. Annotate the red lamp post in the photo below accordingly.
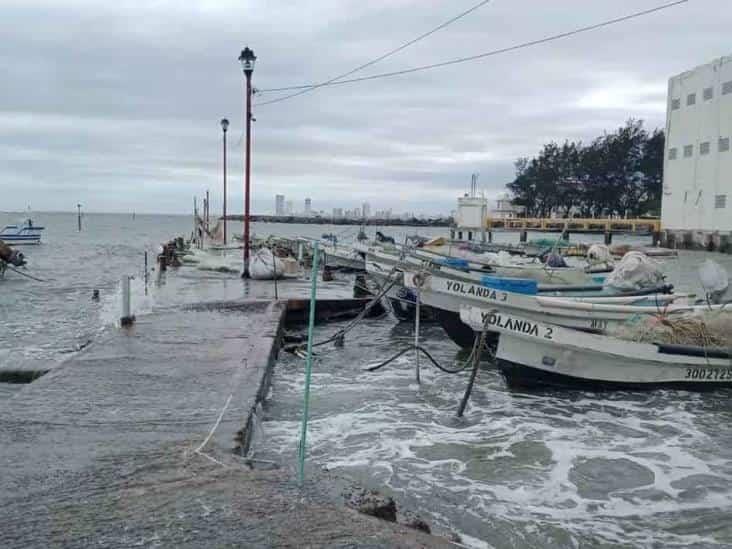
(224, 127)
(247, 59)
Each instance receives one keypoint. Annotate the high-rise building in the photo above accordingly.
(308, 206)
(289, 207)
(366, 210)
(279, 204)
(338, 213)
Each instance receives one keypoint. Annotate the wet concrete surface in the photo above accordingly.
(133, 442)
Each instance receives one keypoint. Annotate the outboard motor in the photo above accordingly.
(381, 237)
(714, 279)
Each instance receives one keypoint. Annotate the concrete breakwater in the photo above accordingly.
(140, 440)
(697, 240)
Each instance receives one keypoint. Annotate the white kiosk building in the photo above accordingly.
(696, 207)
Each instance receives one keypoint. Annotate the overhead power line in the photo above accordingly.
(311, 87)
(491, 53)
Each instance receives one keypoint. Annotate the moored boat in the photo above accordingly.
(534, 353)
(24, 232)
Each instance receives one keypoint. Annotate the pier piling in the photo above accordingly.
(127, 317)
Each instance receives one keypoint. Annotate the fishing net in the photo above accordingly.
(708, 329)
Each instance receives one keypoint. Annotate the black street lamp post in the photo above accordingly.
(224, 127)
(247, 59)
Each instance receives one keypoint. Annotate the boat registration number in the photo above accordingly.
(709, 374)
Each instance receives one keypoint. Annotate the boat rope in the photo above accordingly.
(476, 364)
(25, 274)
(340, 334)
(425, 353)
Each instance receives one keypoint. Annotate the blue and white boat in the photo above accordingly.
(25, 232)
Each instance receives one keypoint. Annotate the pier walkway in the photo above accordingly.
(138, 439)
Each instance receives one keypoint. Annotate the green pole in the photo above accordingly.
(308, 367)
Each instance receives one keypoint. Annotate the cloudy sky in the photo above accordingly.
(117, 104)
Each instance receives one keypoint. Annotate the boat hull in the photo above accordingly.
(519, 376)
(533, 353)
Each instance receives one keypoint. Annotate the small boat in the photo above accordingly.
(588, 307)
(25, 232)
(532, 353)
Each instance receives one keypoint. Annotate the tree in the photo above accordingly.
(618, 173)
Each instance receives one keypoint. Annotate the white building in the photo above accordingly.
(366, 210)
(505, 209)
(279, 204)
(289, 207)
(697, 169)
(308, 206)
(470, 219)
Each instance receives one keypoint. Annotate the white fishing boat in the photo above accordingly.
(24, 232)
(589, 307)
(341, 256)
(532, 353)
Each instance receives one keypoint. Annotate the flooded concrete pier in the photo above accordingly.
(138, 440)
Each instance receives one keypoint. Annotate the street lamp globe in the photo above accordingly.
(247, 59)
(224, 124)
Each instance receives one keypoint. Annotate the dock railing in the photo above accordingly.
(638, 225)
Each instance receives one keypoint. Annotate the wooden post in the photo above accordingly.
(523, 236)
(608, 238)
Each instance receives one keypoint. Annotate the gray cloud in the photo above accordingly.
(117, 105)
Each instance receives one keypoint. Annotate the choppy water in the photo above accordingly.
(521, 469)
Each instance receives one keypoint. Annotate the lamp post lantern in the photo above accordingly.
(247, 59)
(224, 127)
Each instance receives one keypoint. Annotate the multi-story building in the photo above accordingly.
(697, 174)
(279, 204)
(366, 210)
(308, 206)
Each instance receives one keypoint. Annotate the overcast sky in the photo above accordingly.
(117, 104)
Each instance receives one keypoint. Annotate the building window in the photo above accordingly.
(672, 153)
(720, 201)
(723, 144)
(470, 235)
(686, 196)
(452, 235)
(708, 93)
(727, 88)
(704, 147)
(690, 99)
(460, 235)
(688, 150)
(675, 104)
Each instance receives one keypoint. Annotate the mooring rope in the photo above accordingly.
(25, 274)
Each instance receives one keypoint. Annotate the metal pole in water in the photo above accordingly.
(127, 318)
(308, 368)
(146, 275)
(416, 333)
(78, 216)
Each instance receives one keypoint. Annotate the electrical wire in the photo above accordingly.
(311, 87)
(491, 53)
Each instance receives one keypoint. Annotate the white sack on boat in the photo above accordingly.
(264, 265)
(598, 253)
(634, 272)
